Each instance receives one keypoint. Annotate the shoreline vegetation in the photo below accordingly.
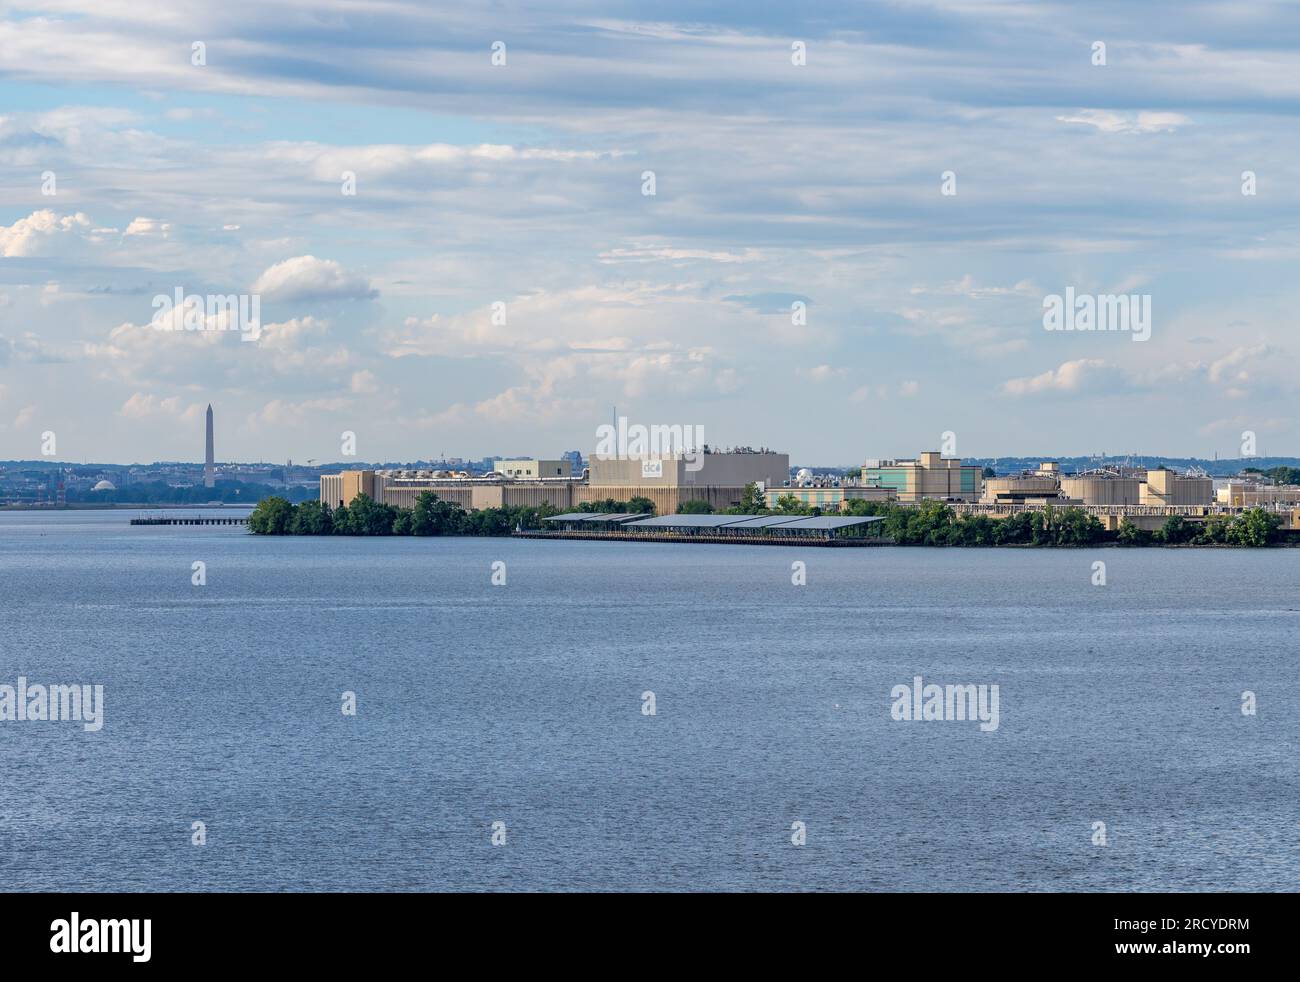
(930, 523)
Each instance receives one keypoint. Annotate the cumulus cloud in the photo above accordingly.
(306, 278)
(148, 226)
(1238, 366)
(1070, 377)
(41, 232)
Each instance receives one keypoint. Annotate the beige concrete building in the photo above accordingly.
(402, 488)
(339, 489)
(829, 499)
(1041, 484)
(532, 470)
(1165, 487)
(930, 476)
(1252, 494)
(1102, 489)
(718, 477)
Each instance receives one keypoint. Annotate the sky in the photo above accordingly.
(442, 210)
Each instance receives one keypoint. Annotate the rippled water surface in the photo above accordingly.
(522, 704)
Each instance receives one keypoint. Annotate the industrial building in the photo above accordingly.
(1253, 494)
(402, 488)
(1031, 486)
(530, 469)
(930, 476)
(1102, 488)
(1166, 487)
(828, 498)
(718, 477)
(1158, 488)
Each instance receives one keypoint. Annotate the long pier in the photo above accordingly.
(734, 540)
(189, 521)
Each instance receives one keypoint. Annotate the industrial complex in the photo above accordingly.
(714, 480)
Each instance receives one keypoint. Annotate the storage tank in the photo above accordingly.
(1096, 490)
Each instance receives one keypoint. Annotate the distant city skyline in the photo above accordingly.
(857, 224)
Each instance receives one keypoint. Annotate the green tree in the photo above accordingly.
(753, 501)
(788, 504)
(696, 506)
(1254, 528)
(1283, 475)
(640, 505)
(1214, 530)
(272, 516)
(368, 517)
(1130, 535)
(1175, 530)
(431, 516)
(1075, 527)
(312, 518)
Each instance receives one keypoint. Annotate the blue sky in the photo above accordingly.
(521, 185)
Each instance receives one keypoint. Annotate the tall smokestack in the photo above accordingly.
(209, 461)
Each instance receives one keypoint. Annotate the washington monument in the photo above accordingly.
(209, 461)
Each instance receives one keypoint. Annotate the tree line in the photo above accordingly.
(365, 516)
(933, 523)
(928, 523)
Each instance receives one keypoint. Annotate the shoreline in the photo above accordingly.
(121, 507)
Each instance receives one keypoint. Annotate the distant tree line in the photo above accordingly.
(365, 516)
(928, 523)
(162, 493)
(1278, 475)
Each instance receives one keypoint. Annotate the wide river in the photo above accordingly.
(525, 704)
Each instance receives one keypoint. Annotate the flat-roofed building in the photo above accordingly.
(532, 470)
(714, 476)
(402, 488)
(929, 476)
(828, 498)
(1252, 494)
(1166, 487)
(1102, 489)
(1012, 488)
(340, 489)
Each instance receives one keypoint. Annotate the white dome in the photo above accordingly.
(804, 475)
(105, 486)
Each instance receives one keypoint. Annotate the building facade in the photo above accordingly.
(828, 499)
(532, 470)
(1165, 487)
(402, 488)
(717, 477)
(930, 476)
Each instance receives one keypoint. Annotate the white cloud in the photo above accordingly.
(148, 226)
(1071, 376)
(1142, 122)
(309, 278)
(364, 383)
(143, 405)
(40, 233)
